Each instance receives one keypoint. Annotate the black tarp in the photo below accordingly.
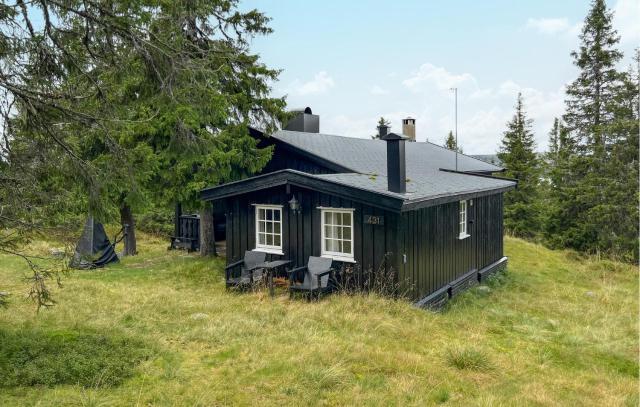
(94, 248)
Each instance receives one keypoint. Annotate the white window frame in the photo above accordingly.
(272, 249)
(338, 256)
(463, 219)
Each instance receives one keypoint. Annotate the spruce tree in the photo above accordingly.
(451, 144)
(600, 119)
(521, 214)
(381, 122)
(556, 175)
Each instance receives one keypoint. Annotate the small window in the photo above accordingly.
(269, 228)
(463, 220)
(337, 234)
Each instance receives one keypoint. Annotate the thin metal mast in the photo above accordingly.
(455, 92)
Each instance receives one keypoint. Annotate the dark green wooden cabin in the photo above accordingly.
(371, 205)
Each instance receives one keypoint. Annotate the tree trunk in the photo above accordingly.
(207, 232)
(176, 220)
(129, 225)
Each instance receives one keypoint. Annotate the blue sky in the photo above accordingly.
(354, 61)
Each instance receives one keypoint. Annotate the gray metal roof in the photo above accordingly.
(434, 184)
(439, 188)
(365, 178)
(370, 156)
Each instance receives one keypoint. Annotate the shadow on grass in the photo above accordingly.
(30, 357)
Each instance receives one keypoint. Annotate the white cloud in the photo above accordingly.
(554, 26)
(540, 106)
(365, 126)
(320, 83)
(431, 75)
(627, 20)
(548, 25)
(377, 90)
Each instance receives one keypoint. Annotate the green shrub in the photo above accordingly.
(442, 396)
(468, 358)
(156, 222)
(35, 357)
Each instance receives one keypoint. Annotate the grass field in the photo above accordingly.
(160, 329)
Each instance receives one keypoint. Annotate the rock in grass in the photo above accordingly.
(56, 252)
(483, 289)
(199, 315)
(590, 294)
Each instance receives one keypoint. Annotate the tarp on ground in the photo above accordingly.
(94, 248)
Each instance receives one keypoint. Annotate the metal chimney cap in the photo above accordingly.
(305, 110)
(394, 136)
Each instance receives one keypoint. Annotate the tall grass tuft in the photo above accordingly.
(353, 279)
(464, 358)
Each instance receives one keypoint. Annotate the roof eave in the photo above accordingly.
(412, 205)
(296, 178)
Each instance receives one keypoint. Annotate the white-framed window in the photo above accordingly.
(337, 233)
(269, 228)
(463, 220)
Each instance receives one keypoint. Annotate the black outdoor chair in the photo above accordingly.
(245, 272)
(316, 277)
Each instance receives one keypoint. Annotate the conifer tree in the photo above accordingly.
(451, 144)
(521, 214)
(599, 119)
(381, 122)
(556, 176)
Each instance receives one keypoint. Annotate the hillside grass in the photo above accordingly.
(555, 329)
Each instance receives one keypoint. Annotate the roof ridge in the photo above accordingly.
(453, 151)
(331, 135)
(374, 140)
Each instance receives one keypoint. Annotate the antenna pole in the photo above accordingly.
(455, 93)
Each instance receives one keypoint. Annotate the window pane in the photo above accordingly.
(276, 228)
(261, 239)
(276, 240)
(269, 213)
(346, 233)
(276, 214)
(347, 247)
(260, 214)
(339, 246)
(338, 232)
(269, 240)
(346, 219)
(269, 227)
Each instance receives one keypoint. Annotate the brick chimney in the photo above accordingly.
(409, 128)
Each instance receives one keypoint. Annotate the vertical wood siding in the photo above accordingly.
(293, 160)
(301, 232)
(435, 255)
(427, 237)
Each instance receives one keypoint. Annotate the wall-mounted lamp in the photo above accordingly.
(294, 205)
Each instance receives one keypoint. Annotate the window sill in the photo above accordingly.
(339, 258)
(463, 236)
(270, 251)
